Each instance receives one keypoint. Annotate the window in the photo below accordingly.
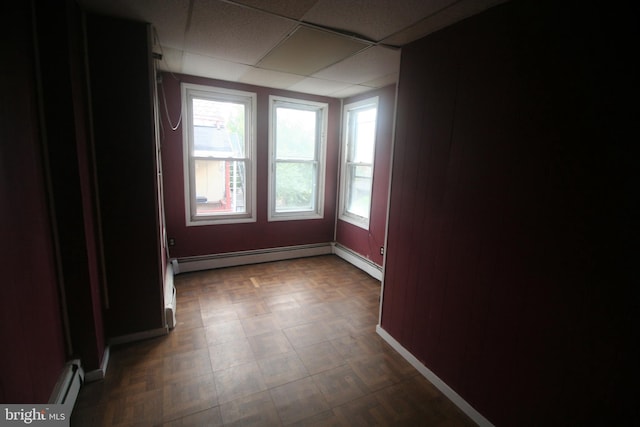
(358, 147)
(219, 155)
(297, 153)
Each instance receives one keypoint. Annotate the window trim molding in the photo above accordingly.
(343, 214)
(187, 91)
(323, 109)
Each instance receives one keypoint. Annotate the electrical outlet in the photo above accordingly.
(172, 241)
(381, 250)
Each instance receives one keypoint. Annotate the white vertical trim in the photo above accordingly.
(386, 222)
(457, 400)
(338, 172)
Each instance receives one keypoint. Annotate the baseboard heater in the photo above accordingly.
(232, 259)
(68, 386)
(357, 260)
(169, 298)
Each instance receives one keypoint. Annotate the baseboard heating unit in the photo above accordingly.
(67, 388)
(169, 298)
(232, 259)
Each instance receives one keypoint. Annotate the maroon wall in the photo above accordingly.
(368, 242)
(511, 227)
(31, 332)
(213, 239)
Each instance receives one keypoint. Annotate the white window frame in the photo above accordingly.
(190, 91)
(321, 108)
(344, 215)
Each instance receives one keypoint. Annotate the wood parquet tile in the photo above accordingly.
(223, 332)
(229, 354)
(282, 369)
(239, 381)
(210, 418)
(320, 357)
(340, 385)
(254, 410)
(187, 396)
(298, 400)
(269, 344)
(275, 344)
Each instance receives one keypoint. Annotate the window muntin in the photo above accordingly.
(358, 149)
(219, 134)
(297, 157)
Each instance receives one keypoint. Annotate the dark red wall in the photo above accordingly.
(511, 224)
(368, 242)
(33, 348)
(213, 239)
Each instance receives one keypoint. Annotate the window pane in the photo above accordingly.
(295, 134)
(359, 191)
(220, 187)
(364, 132)
(294, 186)
(218, 128)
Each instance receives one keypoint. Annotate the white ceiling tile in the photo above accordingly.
(367, 65)
(308, 50)
(171, 60)
(234, 33)
(291, 8)
(450, 15)
(204, 66)
(318, 86)
(387, 80)
(374, 19)
(269, 78)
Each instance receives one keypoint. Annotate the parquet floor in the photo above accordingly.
(282, 343)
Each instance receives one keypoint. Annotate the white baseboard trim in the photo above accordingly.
(138, 336)
(433, 378)
(232, 259)
(358, 261)
(99, 374)
(67, 388)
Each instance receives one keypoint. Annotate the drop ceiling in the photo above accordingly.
(336, 48)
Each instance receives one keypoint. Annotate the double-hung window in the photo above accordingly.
(358, 148)
(219, 155)
(297, 158)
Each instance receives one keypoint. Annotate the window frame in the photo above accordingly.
(190, 91)
(321, 109)
(346, 165)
